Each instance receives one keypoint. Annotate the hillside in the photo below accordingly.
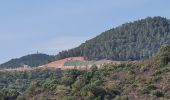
(144, 80)
(32, 60)
(130, 41)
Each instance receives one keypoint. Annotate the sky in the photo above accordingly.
(50, 26)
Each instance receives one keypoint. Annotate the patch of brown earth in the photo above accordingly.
(60, 63)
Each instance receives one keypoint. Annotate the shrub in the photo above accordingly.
(125, 97)
(94, 68)
(158, 93)
(20, 98)
(67, 80)
(149, 88)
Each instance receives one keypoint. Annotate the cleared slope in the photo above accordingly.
(60, 63)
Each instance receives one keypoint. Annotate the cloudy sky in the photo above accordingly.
(50, 26)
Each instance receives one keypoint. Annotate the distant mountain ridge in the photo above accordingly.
(130, 41)
(32, 60)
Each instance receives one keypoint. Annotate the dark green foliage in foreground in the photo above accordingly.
(130, 41)
(13, 84)
(32, 60)
(144, 80)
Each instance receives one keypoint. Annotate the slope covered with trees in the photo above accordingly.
(32, 60)
(144, 80)
(130, 41)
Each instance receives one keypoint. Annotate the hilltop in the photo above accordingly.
(131, 41)
(32, 60)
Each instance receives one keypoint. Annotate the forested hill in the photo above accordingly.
(130, 41)
(32, 60)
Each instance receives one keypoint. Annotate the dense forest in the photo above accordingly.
(131, 41)
(32, 60)
(144, 80)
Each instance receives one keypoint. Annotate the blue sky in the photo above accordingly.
(50, 26)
